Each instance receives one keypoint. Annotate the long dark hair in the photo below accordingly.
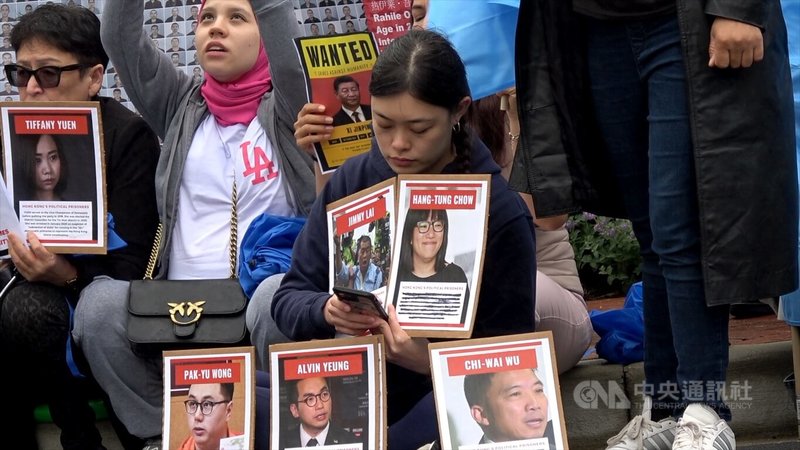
(29, 142)
(488, 122)
(425, 65)
(409, 228)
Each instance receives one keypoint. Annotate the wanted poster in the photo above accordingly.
(360, 232)
(337, 70)
(209, 399)
(328, 394)
(498, 393)
(55, 174)
(438, 253)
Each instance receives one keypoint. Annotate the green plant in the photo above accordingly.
(606, 247)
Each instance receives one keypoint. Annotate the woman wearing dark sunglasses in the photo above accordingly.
(60, 58)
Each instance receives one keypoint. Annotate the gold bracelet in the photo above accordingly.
(513, 137)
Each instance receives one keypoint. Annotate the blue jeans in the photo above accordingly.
(638, 81)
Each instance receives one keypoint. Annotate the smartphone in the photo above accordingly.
(362, 301)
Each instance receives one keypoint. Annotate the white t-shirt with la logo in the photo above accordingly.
(200, 241)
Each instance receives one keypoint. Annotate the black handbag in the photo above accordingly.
(185, 314)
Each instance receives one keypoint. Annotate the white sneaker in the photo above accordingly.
(700, 428)
(642, 433)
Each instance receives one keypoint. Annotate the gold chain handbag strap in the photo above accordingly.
(151, 263)
(234, 241)
(234, 229)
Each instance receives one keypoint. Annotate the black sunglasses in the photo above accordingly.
(47, 76)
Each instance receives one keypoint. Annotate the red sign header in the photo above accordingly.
(443, 199)
(208, 373)
(361, 216)
(326, 366)
(492, 362)
(51, 124)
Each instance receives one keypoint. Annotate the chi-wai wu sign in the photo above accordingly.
(498, 393)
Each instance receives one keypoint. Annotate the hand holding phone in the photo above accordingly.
(361, 301)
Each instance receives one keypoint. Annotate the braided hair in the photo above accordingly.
(425, 65)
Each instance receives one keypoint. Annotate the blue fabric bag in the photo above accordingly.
(621, 330)
(266, 249)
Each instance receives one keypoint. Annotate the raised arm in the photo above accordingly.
(150, 79)
(278, 26)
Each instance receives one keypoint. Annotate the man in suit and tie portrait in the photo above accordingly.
(311, 404)
(348, 92)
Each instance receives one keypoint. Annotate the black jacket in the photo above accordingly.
(506, 304)
(343, 118)
(131, 153)
(742, 128)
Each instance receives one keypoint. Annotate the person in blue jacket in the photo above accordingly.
(419, 98)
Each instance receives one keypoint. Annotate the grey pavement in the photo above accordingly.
(598, 400)
(791, 445)
(595, 398)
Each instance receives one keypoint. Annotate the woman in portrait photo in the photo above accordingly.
(44, 169)
(424, 245)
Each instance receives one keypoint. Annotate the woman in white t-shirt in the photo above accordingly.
(235, 129)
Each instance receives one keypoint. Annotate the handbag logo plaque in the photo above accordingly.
(185, 311)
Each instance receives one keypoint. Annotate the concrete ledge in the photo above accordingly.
(772, 413)
(591, 416)
(763, 408)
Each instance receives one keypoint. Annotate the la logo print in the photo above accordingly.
(259, 164)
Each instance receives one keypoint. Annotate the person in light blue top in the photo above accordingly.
(364, 277)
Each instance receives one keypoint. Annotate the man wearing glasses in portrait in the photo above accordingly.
(312, 407)
(208, 411)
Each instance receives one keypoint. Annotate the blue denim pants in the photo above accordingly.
(639, 91)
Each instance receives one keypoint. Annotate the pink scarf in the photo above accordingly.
(237, 101)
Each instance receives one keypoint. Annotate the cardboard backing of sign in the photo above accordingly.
(433, 278)
(367, 215)
(473, 379)
(439, 300)
(206, 375)
(55, 172)
(348, 372)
